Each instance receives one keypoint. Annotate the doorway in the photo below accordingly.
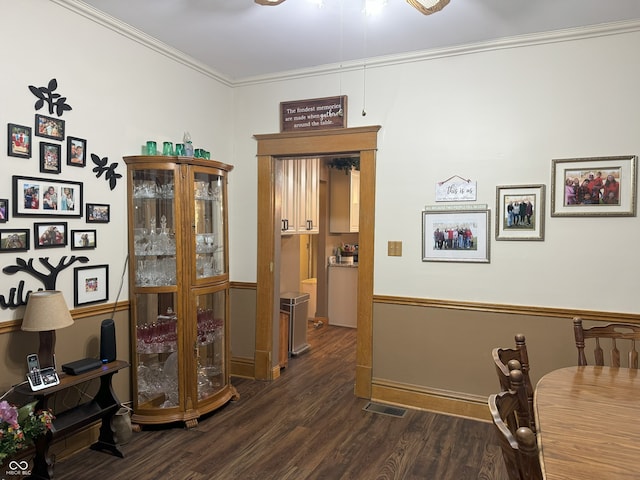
(361, 141)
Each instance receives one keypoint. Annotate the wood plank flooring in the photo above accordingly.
(306, 425)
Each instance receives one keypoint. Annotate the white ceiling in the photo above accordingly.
(239, 39)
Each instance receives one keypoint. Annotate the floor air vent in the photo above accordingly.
(385, 409)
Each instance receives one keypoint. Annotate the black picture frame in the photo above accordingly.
(83, 239)
(4, 210)
(50, 157)
(49, 127)
(76, 152)
(14, 240)
(19, 140)
(90, 285)
(28, 194)
(98, 213)
(50, 234)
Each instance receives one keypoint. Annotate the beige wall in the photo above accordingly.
(498, 116)
(450, 349)
(243, 321)
(80, 340)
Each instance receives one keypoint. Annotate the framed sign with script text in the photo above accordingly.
(313, 114)
(456, 189)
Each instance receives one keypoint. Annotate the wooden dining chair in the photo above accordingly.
(518, 443)
(501, 359)
(617, 335)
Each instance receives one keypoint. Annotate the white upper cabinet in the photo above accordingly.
(300, 196)
(344, 201)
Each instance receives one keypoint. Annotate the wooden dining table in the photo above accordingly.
(588, 423)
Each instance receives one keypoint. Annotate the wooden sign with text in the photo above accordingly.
(314, 114)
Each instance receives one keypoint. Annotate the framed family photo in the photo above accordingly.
(19, 141)
(50, 157)
(97, 213)
(49, 127)
(4, 210)
(456, 235)
(44, 197)
(83, 239)
(76, 148)
(14, 240)
(520, 212)
(91, 285)
(593, 187)
(50, 235)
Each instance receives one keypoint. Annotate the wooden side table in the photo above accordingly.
(102, 406)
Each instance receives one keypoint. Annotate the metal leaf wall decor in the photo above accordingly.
(46, 95)
(110, 171)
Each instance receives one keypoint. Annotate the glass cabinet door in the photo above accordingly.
(209, 228)
(178, 288)
(211, 311)
(156, 353)
(154, 228)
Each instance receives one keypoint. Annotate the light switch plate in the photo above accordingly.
(394, 249)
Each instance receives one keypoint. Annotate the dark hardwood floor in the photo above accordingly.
(305, 425)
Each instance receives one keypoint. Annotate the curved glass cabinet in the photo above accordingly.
(179, 287)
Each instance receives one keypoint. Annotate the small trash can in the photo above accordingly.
(296, 304)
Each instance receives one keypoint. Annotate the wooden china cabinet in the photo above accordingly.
(179, 287)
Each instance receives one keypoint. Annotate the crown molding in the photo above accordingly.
(556, 36)
(142, 38)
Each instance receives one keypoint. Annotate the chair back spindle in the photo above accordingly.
(616, 335)
(503, 358)
(517, 441)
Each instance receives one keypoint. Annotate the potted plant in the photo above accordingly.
(345, 163)
(19, 427)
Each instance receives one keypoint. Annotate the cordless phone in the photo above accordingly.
(40, 378)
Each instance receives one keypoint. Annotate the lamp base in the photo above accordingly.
(46, 349)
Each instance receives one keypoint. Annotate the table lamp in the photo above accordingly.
(45, 313)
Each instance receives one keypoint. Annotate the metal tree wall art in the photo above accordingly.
(46, 95)
(47, 279)
(110, 171)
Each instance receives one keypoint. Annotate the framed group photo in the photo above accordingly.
(14, 240)
(4, 210)
(19, 141)
(83, 239)
(456, 235)
(520, 212)
(50, 235)
(97, 213)
(43, 197)
(49, 127)
(592, 187)
(91, 285)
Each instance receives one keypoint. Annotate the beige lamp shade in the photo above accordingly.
(46, 310)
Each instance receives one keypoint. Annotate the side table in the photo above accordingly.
(102, 406)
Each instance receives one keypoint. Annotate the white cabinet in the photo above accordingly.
(343, 295)
(344, 201)
(300, 196)
(288, 196)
